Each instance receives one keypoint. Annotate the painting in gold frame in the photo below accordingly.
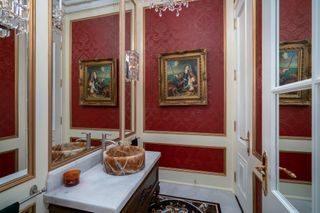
(294, 66)
(183, 78)
(98, 82)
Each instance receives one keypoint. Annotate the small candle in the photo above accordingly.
(60, 4)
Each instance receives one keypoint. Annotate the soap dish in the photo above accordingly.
(71, 178)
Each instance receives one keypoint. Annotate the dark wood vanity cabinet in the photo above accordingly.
(139, 201)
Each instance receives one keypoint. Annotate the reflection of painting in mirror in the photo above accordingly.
(94, 37)
(98, 82)
(294, 65)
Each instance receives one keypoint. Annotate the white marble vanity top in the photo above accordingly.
(99, 191)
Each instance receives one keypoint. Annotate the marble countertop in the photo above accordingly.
(99, 191)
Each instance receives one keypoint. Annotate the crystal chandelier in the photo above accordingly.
(14, 15)
(171, 5)
(58, 17)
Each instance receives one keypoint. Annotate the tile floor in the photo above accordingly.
(226, 199)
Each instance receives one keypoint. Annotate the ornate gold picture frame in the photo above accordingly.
(294, 66)
(98, 82)
(183, 78)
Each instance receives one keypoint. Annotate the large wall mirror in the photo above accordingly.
(294, 107)
(85, 83)
(17, 89)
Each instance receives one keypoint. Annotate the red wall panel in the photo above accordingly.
(297, 162)
(257, 192)
(201, 25)
(7, 87)
(258, 79)
(295, 24)
(204, 159)
(91, 39)
(8, 163)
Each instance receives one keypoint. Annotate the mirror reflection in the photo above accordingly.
(130, 86)
(16, 105)
(14, 108)
(85, 77)
(88, 85)
(295, 41)
(295, 152)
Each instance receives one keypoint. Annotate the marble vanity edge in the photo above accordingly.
(50, 198)
(85, 163)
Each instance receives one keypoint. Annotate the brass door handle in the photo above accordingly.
(261, 170)
(288, 172)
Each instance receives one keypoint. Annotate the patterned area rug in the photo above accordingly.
(170, 204)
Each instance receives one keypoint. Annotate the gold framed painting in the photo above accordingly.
(294, 66)
(183, 78)
(98, 82)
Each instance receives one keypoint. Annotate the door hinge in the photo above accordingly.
(61, 120)
(60, 83)
(235, 75)
(235, 23)
(235, 177)
(60, 46)
(234, 125)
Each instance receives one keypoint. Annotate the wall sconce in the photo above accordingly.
(132, 65)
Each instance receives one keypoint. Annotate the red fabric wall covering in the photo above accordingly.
(258, 79)
(295, 121)
(128, 106)
(202, 159)
(8, 163)
(199, 26)
(91, 39)
(257, 194)
(295, 24)
(297, 162)
(7, 87)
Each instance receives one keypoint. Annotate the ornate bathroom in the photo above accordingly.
(150, 106)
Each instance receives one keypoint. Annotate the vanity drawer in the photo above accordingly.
(140, 200)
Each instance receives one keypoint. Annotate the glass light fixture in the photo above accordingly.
(58, 17)
(132, 68)
(171, 5)
(14, 15)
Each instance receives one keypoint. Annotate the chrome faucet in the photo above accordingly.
(87, 139)
(105, 140)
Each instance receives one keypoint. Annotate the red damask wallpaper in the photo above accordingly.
(295, 24)
(297, 162)
(199, 26)
(91, 39)
(258, 78)
(204, 159)
(7, 87)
